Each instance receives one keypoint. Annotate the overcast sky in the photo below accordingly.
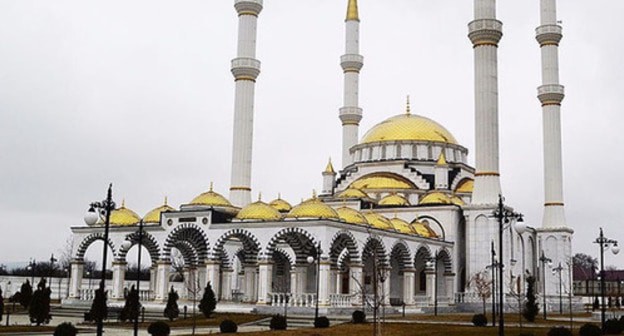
(139, 93)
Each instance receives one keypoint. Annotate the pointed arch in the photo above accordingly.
(148, 241)
(251, 246)
(343, 240)
(301, 241)
(90, 239)
(374, 247)
(191, 234)
(401, 253)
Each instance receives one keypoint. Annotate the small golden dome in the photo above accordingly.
(124, 216)
(402, 226)
(352, 193)
(351, 216)
(408, 127)
(457, 200)
(378, 221)
(280, 205)
(394, 200)
(435, 197)
(259, 211)
(211, 198)
(313, 208)
(382, 181)
(153, 217)
(465, 186)
(424, 230)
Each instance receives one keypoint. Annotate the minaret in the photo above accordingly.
(245, 68)
(351, 62)
(551, 94)
(329, 179)
(485, 32)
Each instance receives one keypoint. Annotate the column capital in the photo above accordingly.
(549, 35)
(248, 7)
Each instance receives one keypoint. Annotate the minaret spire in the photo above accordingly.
(351, 62)
(485, 32)
(245, 68)
(551, 94)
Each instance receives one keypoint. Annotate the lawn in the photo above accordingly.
(201, 321)
(402, 329)
(553, 319)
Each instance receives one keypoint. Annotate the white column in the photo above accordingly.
(119, 277)
(351, 63)
(226, 292)
(246, 69)
(265, 281)
(356, 282)
(77, 269)
(386, 286)
(485, 32)
(213, 276)
(431, 287)
(152, 283)
(449, 283)
(302, 279)
(551, 94)
(162, 274)
(293, 280)
(409, 285)
(250, 283)
(201, 276)
(324, 279)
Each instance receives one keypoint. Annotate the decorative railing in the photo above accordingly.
(421, 300)
(146, 295)
(87, 294)
(294, 300)
(340, 300)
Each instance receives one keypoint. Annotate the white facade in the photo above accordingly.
(406, 207)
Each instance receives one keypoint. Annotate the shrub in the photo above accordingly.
(132, 307)
(25, 294)
(159, 329)
(612, 327)
(590, 329)
(278, 322)
(39, 308)
(358, 316)
(65, 329)
(531, 308)
(208, 302)
(172, 311)
(228, 327)
(559, 331)
(596, 304)
(321, 322)
(479, 320)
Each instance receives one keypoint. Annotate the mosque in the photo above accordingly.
(405, 215)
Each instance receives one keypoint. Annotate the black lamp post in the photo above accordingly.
(504, 216)
(544, 261)
(433, 263)
(558, 269)
(31, 268)
(127, 245)
(318, 273)
(105, 207)
(493, 266)
(604, 243)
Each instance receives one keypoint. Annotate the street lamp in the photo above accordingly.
(555, 270)
(105, 208)
(505, 216)
(126, 246)
(544, 261)
(493, 266)
(604, 243)
(433, 263)
(318, 273)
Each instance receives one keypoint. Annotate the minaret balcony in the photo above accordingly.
(245, 68)
(551, 94)
(350, 115)
(549, 35)
(352, 62)
(485, 32)
(248, 7)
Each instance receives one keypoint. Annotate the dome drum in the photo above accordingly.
(408, 150)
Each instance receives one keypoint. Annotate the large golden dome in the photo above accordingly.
(378, 221)
(313, 209)
(123, 216)
(259, 211)
(409, 127)
(211, 198)
(351, 216)
(153, 217)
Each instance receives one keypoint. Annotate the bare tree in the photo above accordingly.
(482, 285)
(65, 253)
(193, 288)
(177, 265)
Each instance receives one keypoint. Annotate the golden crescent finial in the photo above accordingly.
(260, 197)
(123, 202)
(211, 186)
(408, 108)
(165, 200)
